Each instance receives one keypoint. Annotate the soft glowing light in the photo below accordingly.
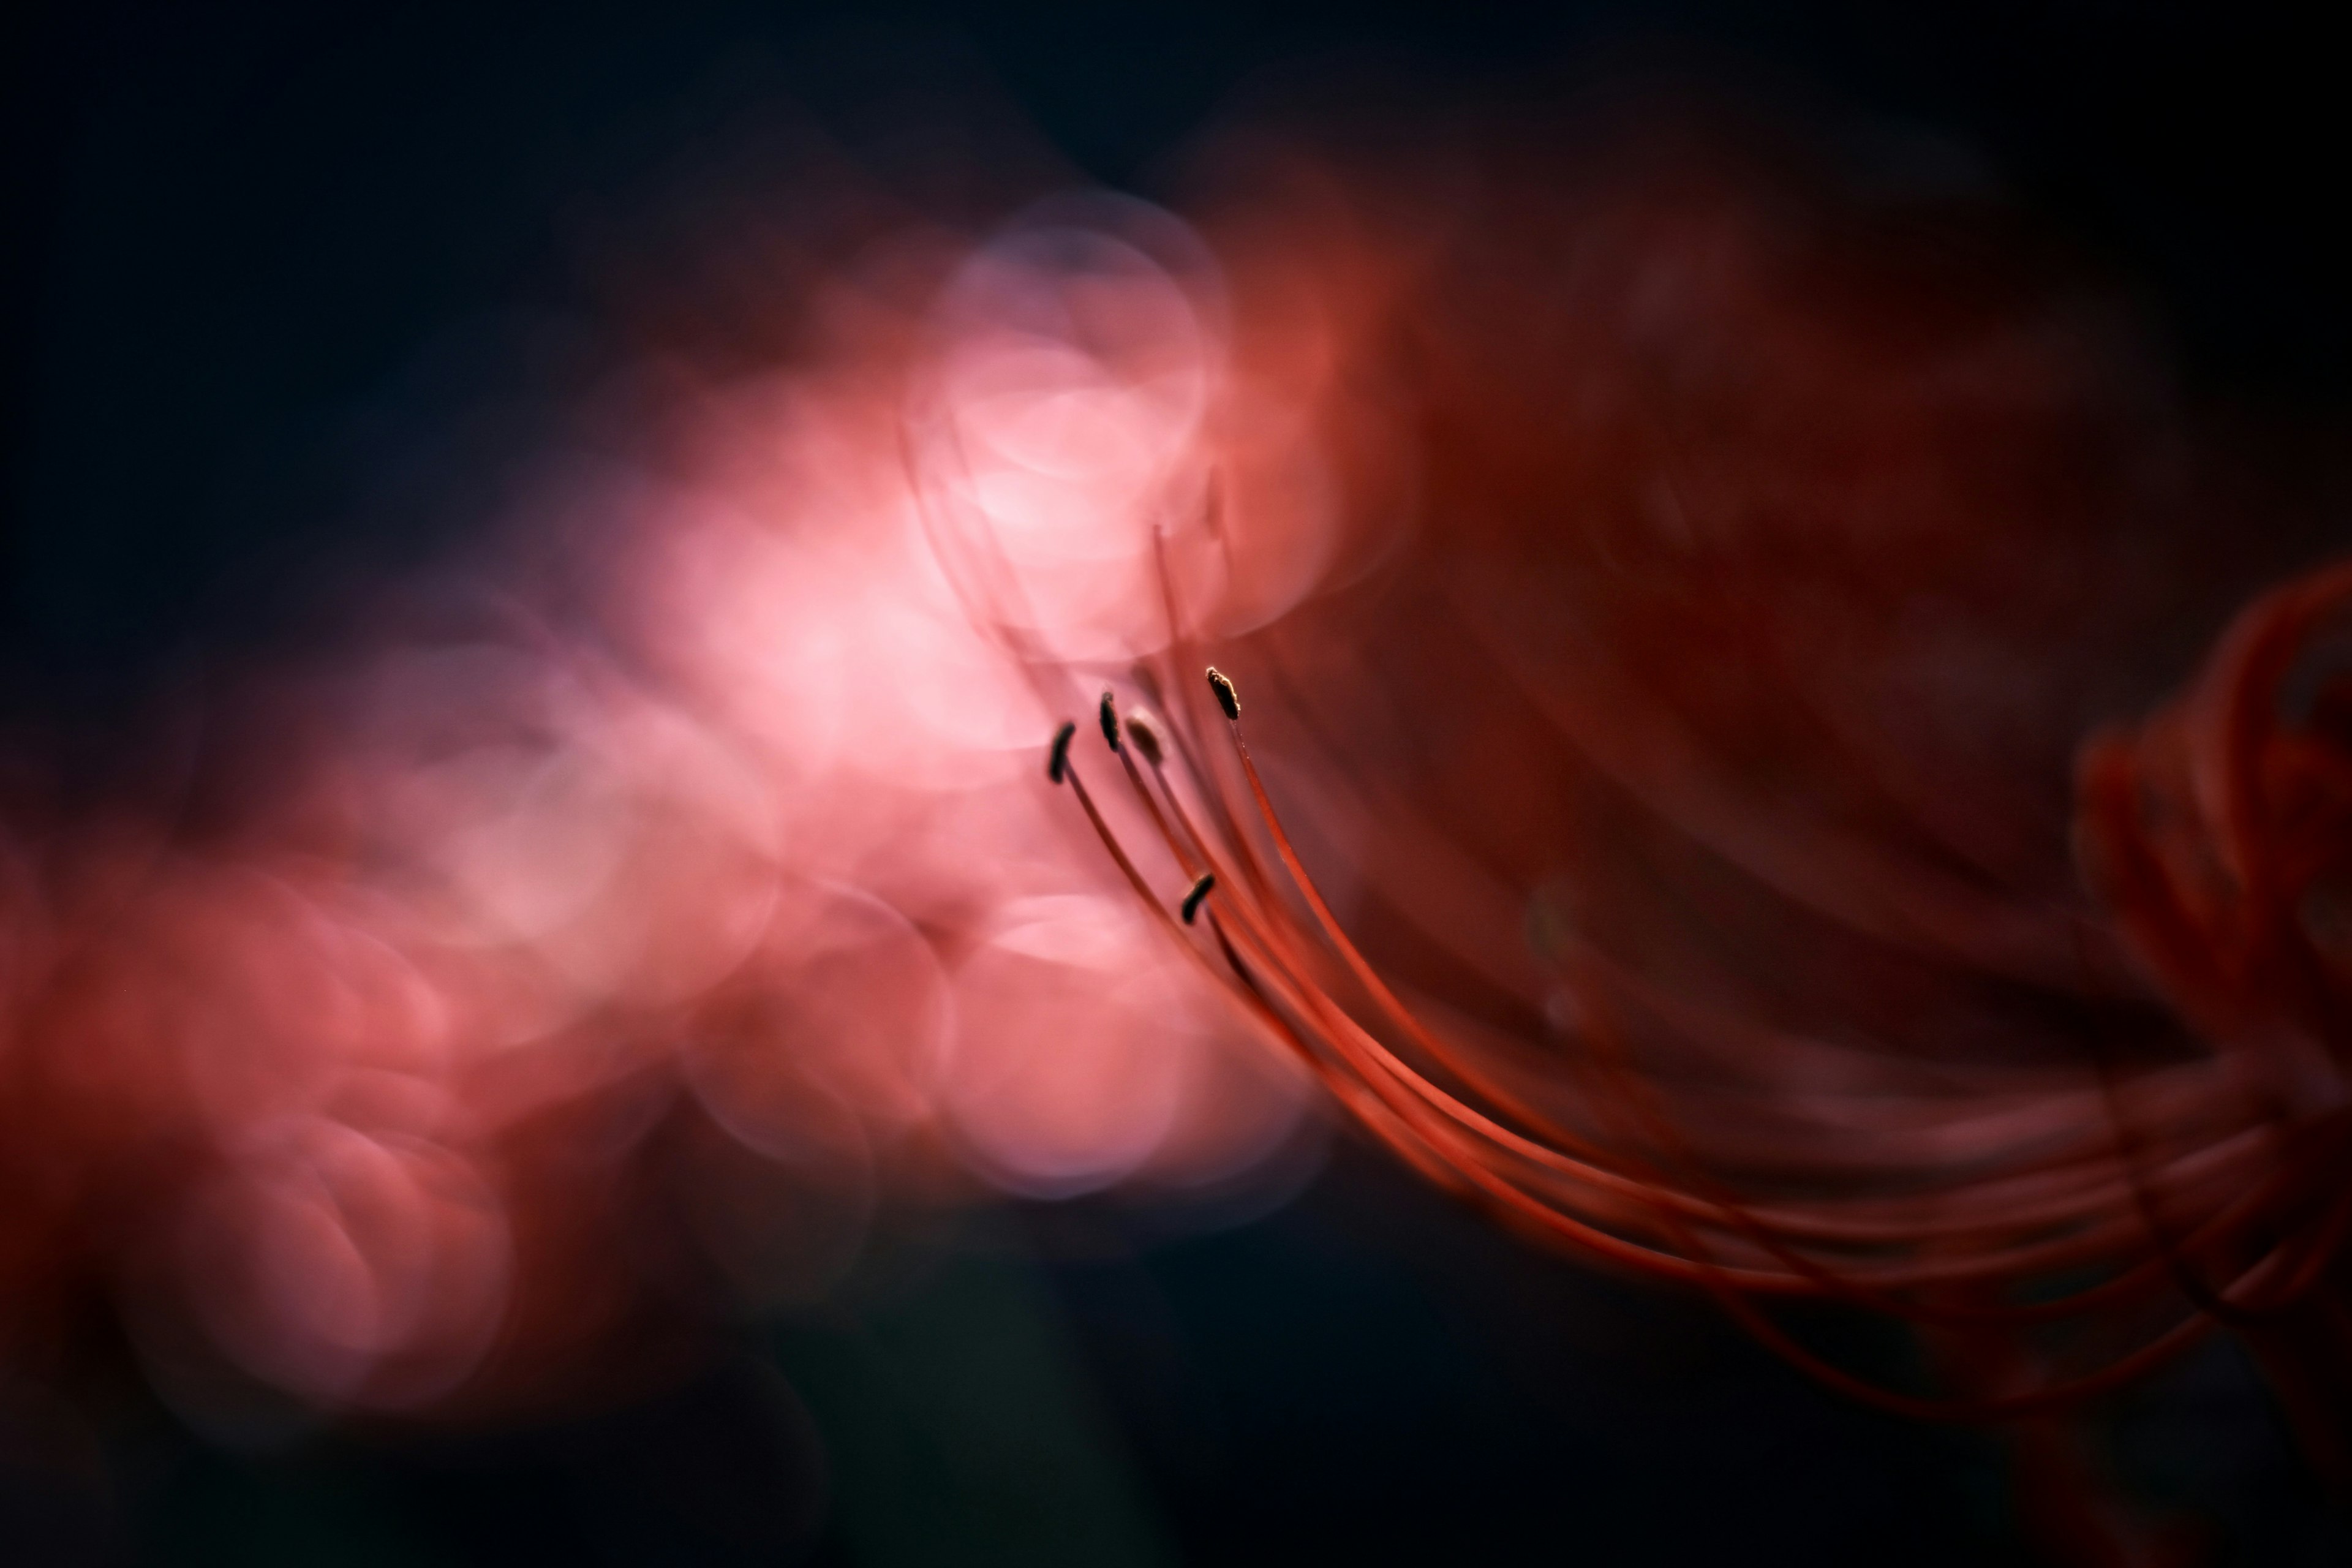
(707, 831)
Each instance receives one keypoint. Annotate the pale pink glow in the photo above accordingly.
(743, 613)
(328, 1260)
(224, 996)
(1086, 1061)
(327, 1018)
(1061, 427)
(629, 848)
(707, 834)
(1068, 1075)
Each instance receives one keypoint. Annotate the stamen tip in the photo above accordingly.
(1202, 889)
(1109, 714)
(1057, 760)
(1227, 697)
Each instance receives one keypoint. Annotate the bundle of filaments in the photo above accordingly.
(1668, 835)
(1671, 589)
(2136, 1208)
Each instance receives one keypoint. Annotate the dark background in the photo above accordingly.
(277, 279)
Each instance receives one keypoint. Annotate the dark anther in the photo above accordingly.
(1227, 697)
(1201, 890)
(1144, 736)
(1109, 723)
(1057, 760)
